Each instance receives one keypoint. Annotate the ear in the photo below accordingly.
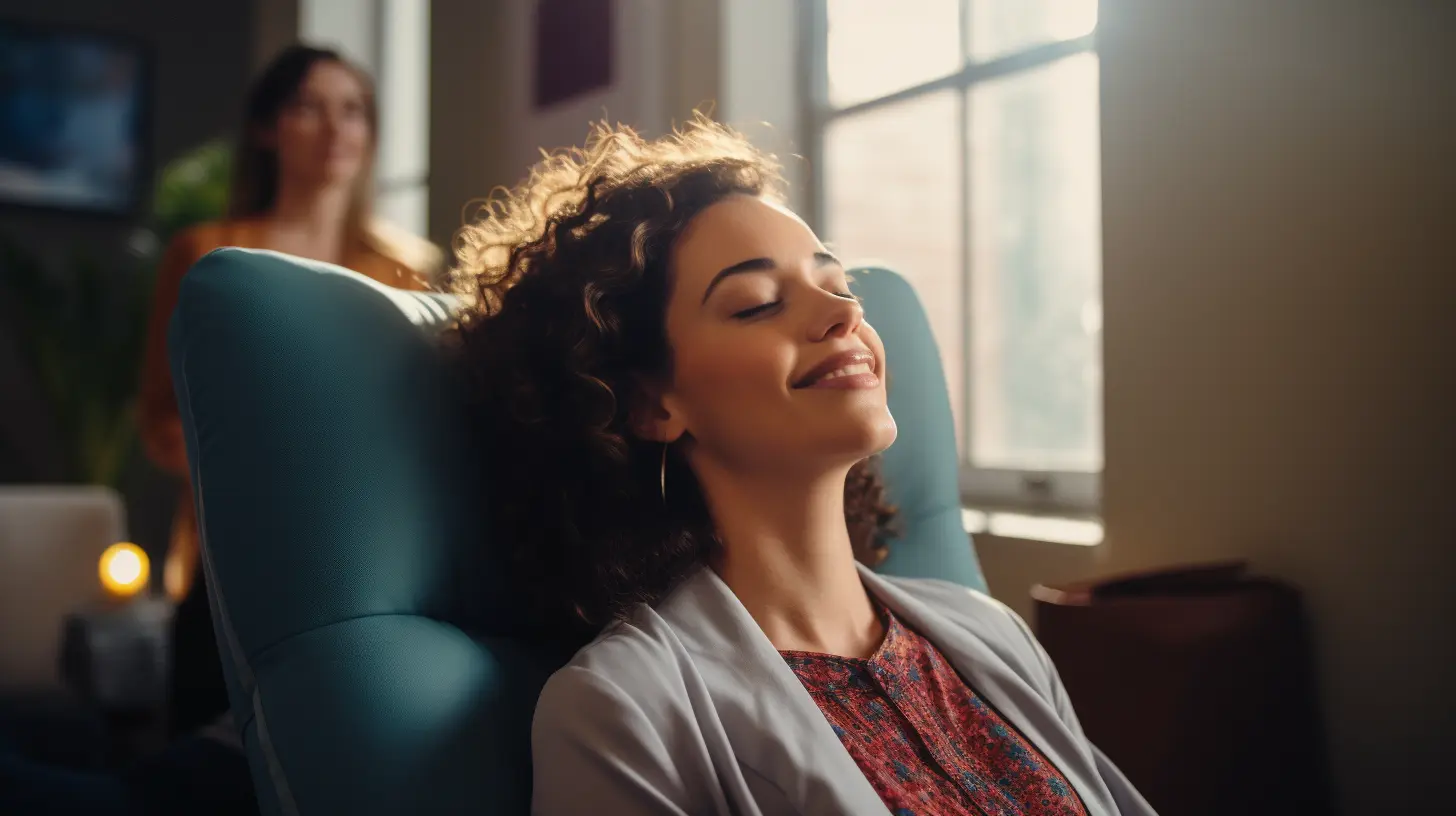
(654, 416)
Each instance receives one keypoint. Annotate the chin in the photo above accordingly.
(341, 171)
(871, 436)
(883, 433)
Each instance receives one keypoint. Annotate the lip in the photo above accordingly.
(814, 377)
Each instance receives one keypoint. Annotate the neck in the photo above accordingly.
(787, 556)
(320, 212)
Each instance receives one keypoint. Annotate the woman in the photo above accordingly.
(302, 185)
(692, 402)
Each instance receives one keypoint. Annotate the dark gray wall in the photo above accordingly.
(202, 57)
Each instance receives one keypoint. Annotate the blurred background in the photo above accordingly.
(1191, 265)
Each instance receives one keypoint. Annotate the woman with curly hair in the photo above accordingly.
(691, 402)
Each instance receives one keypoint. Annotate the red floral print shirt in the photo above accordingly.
(926, 741)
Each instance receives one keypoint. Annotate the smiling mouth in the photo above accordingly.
(849, 370)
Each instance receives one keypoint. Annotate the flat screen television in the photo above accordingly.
(72, 119)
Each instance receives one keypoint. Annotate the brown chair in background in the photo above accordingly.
(1198, 683)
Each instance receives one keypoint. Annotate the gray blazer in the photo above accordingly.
(688, 709)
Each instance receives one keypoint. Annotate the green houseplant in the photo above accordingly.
(81, 327)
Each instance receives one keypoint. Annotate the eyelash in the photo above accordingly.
(748, 314)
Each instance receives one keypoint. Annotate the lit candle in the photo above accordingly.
(124, 569)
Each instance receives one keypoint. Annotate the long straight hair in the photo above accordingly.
(255, 165)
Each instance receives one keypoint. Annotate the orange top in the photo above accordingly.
(160, 424)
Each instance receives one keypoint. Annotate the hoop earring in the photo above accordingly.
(662, 477)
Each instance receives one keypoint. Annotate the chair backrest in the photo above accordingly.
(373, 660)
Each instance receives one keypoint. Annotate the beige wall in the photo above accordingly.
(674, 56)
(468, 135)
(1280, 302)
(637, 95)
(484, 131)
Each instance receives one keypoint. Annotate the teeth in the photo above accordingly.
(847, 371)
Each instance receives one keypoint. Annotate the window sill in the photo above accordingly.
(1055, 529)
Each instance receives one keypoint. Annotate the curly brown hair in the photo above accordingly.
(566, 283)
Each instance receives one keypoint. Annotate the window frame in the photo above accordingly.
(390, 184)
(374, 47)
(1040, 491)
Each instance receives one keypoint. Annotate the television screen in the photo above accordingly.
(71, 108)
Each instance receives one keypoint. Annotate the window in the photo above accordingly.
(390, 38)
(956, 141)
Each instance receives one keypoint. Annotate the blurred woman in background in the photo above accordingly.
(302, 184)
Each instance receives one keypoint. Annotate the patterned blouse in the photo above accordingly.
(924, 739)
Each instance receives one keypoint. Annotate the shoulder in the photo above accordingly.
(628, 678)
(615, 731)
(399, 248)
(187, 246)
(634, 655)
(200, 239)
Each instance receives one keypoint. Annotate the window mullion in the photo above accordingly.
(815, 82)
(966, 292)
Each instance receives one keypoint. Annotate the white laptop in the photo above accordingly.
(51, 541)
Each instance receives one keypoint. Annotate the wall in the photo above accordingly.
(637, 95)
(1278, 295)
(736, 59)
(202, 55)
(275, 25)
(467, 127)
(201, 63)
(484, 127)
(760, 84)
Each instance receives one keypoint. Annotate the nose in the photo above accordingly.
(837, 317)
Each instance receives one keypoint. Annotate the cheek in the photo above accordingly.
(294, 137)
(736, 369)
(356, 132)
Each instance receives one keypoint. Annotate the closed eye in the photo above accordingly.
(756, 310)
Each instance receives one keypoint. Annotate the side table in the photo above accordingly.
(115, 657)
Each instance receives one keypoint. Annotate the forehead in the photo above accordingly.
(332, 79)
(736, 229)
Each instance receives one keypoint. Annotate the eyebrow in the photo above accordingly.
(821, 260)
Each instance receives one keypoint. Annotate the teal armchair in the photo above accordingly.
(376, 660)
